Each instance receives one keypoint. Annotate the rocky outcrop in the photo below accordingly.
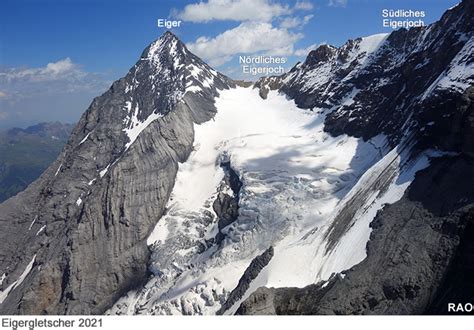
(226, 204)
(249, 275)
(457, 286)
(267, 84)
(85, 221)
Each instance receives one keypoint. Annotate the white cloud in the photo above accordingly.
(290, 22)
(295, 22)
(218, 61)
(303, 5)
(52, 71)
(59, 90)
(247, 38)
(264, 28)
(62, 76)
(281, 51)
(303, 52)
(307, 18)
(337, 3)
(59, 67)
(232, 10)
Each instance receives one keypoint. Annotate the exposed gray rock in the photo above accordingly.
(249, 275)
(226, 206)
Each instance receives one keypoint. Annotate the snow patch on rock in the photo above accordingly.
(85, 138)
(4, 294)
(33, 222)
(40, 230)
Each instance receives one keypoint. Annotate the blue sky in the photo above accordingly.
(56, 55)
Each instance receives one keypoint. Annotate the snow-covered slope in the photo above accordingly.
(4, 293)
(296, 180)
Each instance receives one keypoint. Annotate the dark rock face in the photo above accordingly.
(267, 84)
(86, 219)
(249, 275)
(419, 256)
(322, 54)
(457, 285)
(226, 206)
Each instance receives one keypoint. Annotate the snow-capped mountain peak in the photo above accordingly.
(167, 49)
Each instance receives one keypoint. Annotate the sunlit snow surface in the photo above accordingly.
(295, 179)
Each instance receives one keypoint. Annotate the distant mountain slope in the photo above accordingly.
(26, 153)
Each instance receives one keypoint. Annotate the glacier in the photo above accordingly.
(296, 179)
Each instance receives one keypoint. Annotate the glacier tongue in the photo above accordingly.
(295, 177)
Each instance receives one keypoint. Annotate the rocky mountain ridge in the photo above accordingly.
(374, 85)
